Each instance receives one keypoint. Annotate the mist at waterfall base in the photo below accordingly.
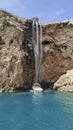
(41, 111)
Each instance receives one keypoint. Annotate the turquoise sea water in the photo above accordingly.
(43, 111)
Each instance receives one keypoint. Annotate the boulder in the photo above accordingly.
(65, 82)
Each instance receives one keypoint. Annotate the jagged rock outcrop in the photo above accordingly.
(65, 82)
(16, 53)
(57, 50)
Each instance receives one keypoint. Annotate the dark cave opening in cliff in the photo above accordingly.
(46, 46)
(46, 42)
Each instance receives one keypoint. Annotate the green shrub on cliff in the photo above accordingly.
(3, 20)
(7, 21)
(11, 22)
(35, 19)
(64, 46)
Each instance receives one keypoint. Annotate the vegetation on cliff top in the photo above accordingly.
(11, 20)
(7, 21)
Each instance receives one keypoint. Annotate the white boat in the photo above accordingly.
(37, 87)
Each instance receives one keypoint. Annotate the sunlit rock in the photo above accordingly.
(65, 82)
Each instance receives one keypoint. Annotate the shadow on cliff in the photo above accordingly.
(45, 85)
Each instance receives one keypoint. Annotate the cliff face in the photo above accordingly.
(17, 57)
(16, 53)
(57, 50)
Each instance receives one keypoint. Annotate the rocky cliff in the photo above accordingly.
(17, 57)
(57, 50)
(16, 53)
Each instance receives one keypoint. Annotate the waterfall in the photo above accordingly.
(41, 54)
(37, 45)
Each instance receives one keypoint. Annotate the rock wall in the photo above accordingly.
(57, 50)
(16, 53)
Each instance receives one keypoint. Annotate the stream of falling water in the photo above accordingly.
(37, 45)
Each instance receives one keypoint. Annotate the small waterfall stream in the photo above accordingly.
(36, 40)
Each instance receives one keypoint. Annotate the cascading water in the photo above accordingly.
(40, 43)
(36, 40)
